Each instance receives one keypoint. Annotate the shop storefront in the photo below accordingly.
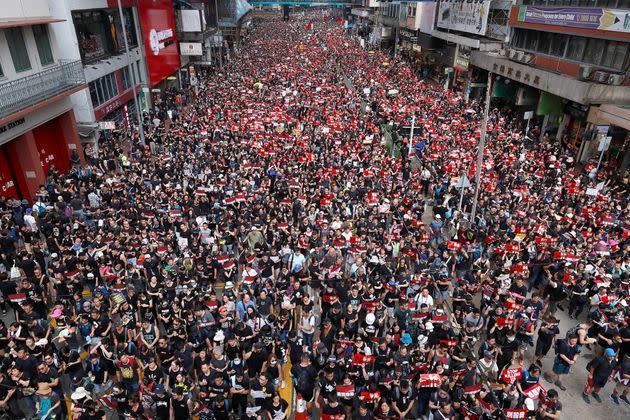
(35, 144)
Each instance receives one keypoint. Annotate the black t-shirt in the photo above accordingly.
(180, 408)
(218, 389)
(404, 399)
(276, 410)
(567, 350)
(97, 415)
(255, 362)
(326, 387)
(603, 367)
(333, 410)
(153, 375)
(162, 406)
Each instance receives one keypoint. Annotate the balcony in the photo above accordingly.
(19, 94)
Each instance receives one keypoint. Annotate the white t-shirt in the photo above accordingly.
(420, 299)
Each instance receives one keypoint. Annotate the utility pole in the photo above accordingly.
(413, 124)
(481, 147)
(216, 14)
(133, 78)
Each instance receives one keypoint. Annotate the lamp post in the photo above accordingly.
(133, 78)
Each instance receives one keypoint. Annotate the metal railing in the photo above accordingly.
(18, 94)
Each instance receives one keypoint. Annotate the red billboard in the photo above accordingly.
(157, 19)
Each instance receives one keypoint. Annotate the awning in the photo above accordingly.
(28, 22)
(610, 114)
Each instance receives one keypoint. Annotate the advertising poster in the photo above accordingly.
(465, 16)
(158, 29)
(577, 17)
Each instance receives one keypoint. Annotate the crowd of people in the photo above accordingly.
(265, 235)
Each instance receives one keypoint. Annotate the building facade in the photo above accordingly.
(568, 63)
(38, 130)
(93, 35)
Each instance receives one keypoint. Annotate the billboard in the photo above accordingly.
(191, 20)
(469, 16)
(160, 42)
(191, 48)
(615, 20)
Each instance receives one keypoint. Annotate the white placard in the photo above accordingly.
(107, 125)
(604, 144)
(191, 48)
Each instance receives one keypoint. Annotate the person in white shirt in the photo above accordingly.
(297, 261)
(424, 297)
(30, 221)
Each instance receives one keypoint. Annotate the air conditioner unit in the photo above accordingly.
(616, 79)
(519, 55)
(585, 72)
(527, 58)
(600, 76)
(512, 54)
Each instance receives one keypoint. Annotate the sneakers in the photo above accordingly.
(614, 399)
(586, 398)
(559, 385)
(597, 397)
(624, 399)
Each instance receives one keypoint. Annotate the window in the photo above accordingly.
(544, 42)
(531, 40)
(126, 79)
(103, 89)
(17, 48)
(557, 43)
(577, 45)
(1, 72)
(138, 78)
(594, 50)
(40, 32)
(615, 55)
(100, 33)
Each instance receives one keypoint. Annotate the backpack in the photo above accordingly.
(573, 330)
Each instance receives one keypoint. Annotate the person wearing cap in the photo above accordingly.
(600, 372)
(436, 227)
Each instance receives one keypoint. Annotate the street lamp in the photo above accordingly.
(131, 74)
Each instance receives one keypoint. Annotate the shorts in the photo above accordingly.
(600, 382)
(560, 368)
(620, 387)
(542, 348)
